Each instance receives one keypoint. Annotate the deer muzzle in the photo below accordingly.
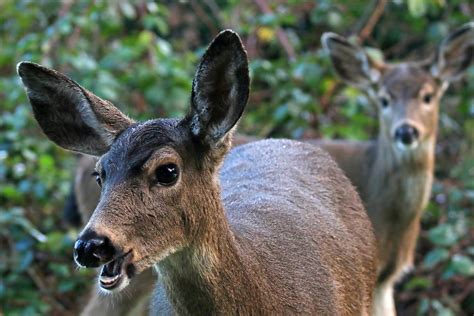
(407, 136)
(92, 250)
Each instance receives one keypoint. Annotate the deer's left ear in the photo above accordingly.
(220, 89)
(455, 54)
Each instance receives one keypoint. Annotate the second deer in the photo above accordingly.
(394, 173)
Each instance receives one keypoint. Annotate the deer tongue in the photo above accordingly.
(111, 273)
(113, 268)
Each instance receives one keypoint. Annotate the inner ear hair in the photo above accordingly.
(351, 62)
(220, 89)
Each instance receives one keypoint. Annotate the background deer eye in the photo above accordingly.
(96, 175)
(167, 174)
(427, 98)
(384, 102)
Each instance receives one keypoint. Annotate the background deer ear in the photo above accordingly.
(68, 114)
(220, 89)
(455, 54)
(351, 62)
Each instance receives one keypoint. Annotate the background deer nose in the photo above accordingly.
(406, 134)
(91, 250)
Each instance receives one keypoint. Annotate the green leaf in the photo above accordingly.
(459, 265)
(418, 283)
(417, 8)
(443, 235)
(434, 257)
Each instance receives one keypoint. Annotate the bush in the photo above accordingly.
(141, 56)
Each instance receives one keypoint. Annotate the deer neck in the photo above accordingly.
(400, 180)
(209, 275)
(390, 159)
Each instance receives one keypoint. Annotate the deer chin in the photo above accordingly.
(116, 274)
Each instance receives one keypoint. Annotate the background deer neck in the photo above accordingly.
(389, 159)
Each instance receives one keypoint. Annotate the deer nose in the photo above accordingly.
(406, 134)
(92, 251)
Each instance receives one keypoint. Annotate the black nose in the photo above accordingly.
(91, 250)
(406, 134)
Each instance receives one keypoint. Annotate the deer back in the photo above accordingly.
(291, 202)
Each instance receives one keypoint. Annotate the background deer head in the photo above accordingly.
(407, 94)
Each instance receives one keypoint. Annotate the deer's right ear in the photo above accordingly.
(350, 61)
(220, 89)
(69, 115)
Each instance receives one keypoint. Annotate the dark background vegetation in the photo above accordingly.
(141, 56)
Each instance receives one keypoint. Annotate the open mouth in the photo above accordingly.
(113, 273)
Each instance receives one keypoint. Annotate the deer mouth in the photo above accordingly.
(114, 274)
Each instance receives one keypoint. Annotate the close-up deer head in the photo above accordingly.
(156, 177)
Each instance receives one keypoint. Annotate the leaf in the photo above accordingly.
(434, 257)
(418, 283)
(441, 309)
(443, 235)
(417, 8)
(459, 265)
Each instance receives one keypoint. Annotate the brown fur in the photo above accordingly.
(136, 300)
(395, 184)
(231, 253)
(266, 235)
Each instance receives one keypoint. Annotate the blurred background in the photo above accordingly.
(142, 55)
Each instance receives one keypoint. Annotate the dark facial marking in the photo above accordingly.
(407, 80)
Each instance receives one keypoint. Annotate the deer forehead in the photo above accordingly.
(406, 81)
(140, 143)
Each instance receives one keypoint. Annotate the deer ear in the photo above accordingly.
(351, 62)
(68, 114)
(455, 54)
(220, 89)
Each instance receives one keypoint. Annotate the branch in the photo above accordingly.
(372, 21)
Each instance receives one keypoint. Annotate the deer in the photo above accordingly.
(83, 198)
(394, 172)
(85, 195)
(269, 227)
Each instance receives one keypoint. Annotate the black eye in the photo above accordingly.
(384, 102)
(97, 178)
(427, 98)
(167, 174)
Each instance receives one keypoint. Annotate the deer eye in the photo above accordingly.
(384, 102)
(97, 178)
(427, 98)
(167, 174)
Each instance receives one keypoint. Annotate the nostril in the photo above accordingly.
(415, 133)
(406, 134)
(93, 252)
(104, 251)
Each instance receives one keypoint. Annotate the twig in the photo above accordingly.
(281, 35)
(372, 21)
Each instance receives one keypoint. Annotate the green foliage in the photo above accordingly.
(141, 56)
